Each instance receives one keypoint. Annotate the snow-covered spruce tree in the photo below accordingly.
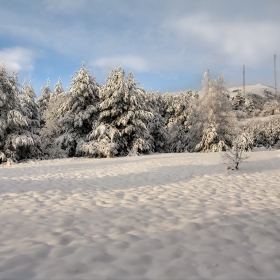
(156, 125)
(238, 105)
(58, 89)
(216, 116)
(124, 116)
(19, 121)
(52, 129)
(176, 117)
(78, 112)
(44, 99)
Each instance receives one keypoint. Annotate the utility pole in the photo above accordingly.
(275, 75)
(244, 81)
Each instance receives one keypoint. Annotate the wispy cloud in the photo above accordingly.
(238, 41)
(17, 58)
(132, 62)
(65, 6)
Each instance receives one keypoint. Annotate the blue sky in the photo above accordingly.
(167, 44)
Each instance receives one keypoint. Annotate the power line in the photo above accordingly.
(244, 81)
(275, 75)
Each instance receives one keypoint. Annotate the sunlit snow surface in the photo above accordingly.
(168, 216)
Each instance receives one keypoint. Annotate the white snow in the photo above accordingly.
(166, 216)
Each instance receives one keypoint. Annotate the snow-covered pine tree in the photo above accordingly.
(44, 99)
(238, 105)
(156, 125)
(238, 100)
(19, 121)
(52, 129)
(176, 116)
(78, 112)
(124, 116)
(58, 89)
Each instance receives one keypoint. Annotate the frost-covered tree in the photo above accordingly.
(207, 82)
(215, 115)
(124, 116)
(19, 121)
(78, 111)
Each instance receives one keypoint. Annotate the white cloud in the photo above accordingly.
(17, 58)
(237, 41)
(132, 62)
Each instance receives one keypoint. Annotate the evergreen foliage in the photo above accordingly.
(156, 125)
(44, 99)
(19, 120)
(121, 119)
(78, 111)
(124, 116)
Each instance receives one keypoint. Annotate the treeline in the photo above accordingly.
(121, 119)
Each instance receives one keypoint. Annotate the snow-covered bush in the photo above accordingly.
(271, 107)
(235, 155)
(265, 132)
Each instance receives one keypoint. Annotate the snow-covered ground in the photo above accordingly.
(167, 216)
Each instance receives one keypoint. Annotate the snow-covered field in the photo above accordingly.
(167, 216)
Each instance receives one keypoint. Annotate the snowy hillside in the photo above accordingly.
(167, 216)
(256, 89)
